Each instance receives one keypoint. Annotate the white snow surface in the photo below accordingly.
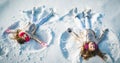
(55, 17)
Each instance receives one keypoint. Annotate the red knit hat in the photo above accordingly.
(26, 38)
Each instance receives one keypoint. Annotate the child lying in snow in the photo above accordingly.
(90, 43)
(25, 34)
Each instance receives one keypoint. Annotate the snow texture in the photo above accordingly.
(52, 28)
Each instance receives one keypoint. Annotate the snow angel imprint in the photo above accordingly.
(90, 43)
(25, 34)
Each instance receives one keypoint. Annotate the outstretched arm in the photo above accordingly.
(39, 41)
(11, 31)
(73, 33)
(102, 35)
(36, 39)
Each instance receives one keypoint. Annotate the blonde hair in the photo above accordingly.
(19, 39)
(86, 54)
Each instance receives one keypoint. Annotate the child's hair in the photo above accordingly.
(86, 54)
(19, 39)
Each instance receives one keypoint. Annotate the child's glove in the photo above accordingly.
(44, 44)
(69, 30)
(108, 59)
(7, 31)
(105, 30)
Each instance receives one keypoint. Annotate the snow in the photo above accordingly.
(55, 17)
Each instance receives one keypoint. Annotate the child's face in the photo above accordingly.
(91, 46)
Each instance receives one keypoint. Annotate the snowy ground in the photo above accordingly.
(56, 16)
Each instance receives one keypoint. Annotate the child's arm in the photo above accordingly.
(39, 41)
(36, 39)
(11, 31)
(73, 34)
(102, 35)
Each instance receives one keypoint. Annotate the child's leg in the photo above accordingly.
(30, 28)
(33, 29)
(87, 23)
(87, 15)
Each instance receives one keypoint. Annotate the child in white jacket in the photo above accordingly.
(90, 43)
